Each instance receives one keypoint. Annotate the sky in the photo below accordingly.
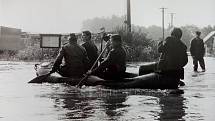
(65, 16)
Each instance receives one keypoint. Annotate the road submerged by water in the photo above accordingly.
(20, 101)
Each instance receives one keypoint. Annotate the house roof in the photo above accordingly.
(211, 34)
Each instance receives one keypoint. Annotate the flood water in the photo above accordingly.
(20, 101)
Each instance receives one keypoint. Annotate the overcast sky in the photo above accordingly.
(63, 16)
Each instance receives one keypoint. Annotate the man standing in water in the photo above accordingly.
(197, 51)
(90, 47)
(75, 59)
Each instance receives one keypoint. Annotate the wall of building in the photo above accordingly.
(10, 39)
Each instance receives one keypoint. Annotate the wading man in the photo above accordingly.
(197, 51)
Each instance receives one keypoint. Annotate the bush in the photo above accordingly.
(30, 53)
(36, 53)
(8, 54)
(138, 47)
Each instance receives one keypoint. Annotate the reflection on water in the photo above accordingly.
(89, 103)
(96, 103)
(172, 108)
(21, 101)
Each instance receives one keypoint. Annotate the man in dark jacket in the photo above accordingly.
(197, 51)
(114, 65)
(173, 55)
(90, 47)
(75, 59)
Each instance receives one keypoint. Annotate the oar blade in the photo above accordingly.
(80, 84)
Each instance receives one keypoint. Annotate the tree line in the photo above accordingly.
(152, 32)
(140, 44)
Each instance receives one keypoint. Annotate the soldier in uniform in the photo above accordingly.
(75, 59)
(114, 65)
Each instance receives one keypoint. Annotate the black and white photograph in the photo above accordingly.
(107, 60)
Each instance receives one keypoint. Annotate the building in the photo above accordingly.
(209, 41)
(10, 39)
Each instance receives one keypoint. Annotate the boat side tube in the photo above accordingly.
(147, 81)
(147, 68)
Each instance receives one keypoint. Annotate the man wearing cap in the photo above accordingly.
(75, 59)
(197, 51)
(114, 65)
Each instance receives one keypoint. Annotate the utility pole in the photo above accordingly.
(171, 15)
(128, 15)
(163, 20)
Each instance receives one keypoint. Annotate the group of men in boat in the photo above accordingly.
(78, 59)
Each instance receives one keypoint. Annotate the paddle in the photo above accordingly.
(40, 79)
(94, 64)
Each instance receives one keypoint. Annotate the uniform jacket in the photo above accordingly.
(92, 52)
(115, 62)
(75, 60)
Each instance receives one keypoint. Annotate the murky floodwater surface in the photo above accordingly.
(20, 101)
